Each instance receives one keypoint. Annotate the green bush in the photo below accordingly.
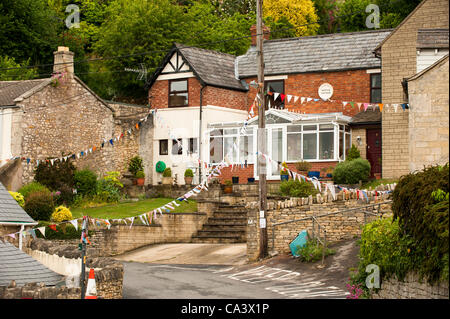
(353, 153)
(64, 196)
(85, 182)
(135, 165)
(167, 172)
(32, 187)
(296, 188)
(312, 251)
(108, 188)
(39, 205)
(63, 231)
(351, 172)
(56, 175)
(188, 173)
(140, 174)
(421, 206)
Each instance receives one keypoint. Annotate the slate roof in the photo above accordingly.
(10, 90)
(21, 267)
(432, 38)
(367, 117)
(10, 211)
(329, 52)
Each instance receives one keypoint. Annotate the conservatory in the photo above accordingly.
(290, 137)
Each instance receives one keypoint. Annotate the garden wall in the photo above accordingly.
(411, 288)
(338, 226)
(170, 228)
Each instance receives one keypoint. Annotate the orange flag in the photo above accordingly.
(381, 106)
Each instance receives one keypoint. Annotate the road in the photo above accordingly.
(281, 277)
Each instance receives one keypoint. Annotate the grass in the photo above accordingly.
(377, 182)
(130, 209)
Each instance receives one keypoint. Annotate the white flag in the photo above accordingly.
(302, 100)
(275, 96)
(42, 230)
(74, 223)
(289, 97)
(395, 107)
(295, 99)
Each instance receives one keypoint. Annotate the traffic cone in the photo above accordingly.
(91, 290)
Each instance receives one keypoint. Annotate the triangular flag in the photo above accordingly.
(366, 105)
(395, 107)
(32, 233)
(289, 97)
(302, 100)
(275, 96)
(380, 105)
(359, 106)
(344, 103)
(308, 99)
(295, 99)
(282, 96)
(74, 223)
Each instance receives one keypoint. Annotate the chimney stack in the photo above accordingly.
(63, 55)
(266, 33)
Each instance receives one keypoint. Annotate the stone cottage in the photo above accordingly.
(419, 135)
(57, 117)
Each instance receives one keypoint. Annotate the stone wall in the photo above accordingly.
(410, 288)
(170, 228)
(10, 175)
(428, 117)
(398, 63)
(338, 226)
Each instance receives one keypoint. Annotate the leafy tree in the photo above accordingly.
(300, 13)
(231, 7)
(326, 11)
(15, 74)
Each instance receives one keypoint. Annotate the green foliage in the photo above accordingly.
(351, 172)
(303, 166)
(32, 187)
(312, 251)
(64, 196)
(113, 179)
(135, 165)
(280, 29)
(56, 175)
(85, 182)
(353, 153)
(140, 174)
(39, 205)
(296, 188)
(15, 73)
(228, 183)
(326, 10)
(188, 173)
(421, 206)
(108, 188)
(18, 197)
(167, 172)
(63, 231)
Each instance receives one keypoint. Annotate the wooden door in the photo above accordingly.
(374, 150)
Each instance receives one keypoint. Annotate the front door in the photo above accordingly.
(276, 150)
(374, 150)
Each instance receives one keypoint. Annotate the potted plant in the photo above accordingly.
(303, 167)
(329, 171)
(228, 189)
(284, 174)
(140, 178)
(167, 177)
(135, 165)
(188, 176)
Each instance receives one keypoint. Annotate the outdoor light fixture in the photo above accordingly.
(358, 139)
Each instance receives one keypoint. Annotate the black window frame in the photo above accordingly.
(278, 103)
(160, 147)
(373, 88)
(170, 92)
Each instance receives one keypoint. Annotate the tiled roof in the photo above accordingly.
(214, 68)
(22, 268)
(432, 38)
(10, 90)
(10, 211)
(329, 52)
(366, 117)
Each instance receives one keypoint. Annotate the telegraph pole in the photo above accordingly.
(261, 134)
(83, 255)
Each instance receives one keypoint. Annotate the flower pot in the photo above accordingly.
(228, 189)
(330, 175)
(188, 180)
(284, 177)
(167, 180)
(141, 181)
(235, 179)
(134, 181)
(377, 175)
(250, 180)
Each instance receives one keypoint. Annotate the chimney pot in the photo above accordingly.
(63, 61)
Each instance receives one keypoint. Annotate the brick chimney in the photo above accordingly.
(266, 33)
(63, 55)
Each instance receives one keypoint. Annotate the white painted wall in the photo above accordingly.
(183, 122)
(5, 134)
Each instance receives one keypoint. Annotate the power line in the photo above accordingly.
(168, 50)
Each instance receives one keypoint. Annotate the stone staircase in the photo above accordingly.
(227, 225)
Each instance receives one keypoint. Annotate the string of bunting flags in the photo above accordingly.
(361, 105)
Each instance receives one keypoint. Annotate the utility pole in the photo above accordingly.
(83, 255)
(261, 134)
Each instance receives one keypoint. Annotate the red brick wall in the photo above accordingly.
(246, 172)
(347, 86)
(159, 95)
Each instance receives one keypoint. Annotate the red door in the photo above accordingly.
(374, 150)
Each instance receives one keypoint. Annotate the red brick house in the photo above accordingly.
(300, 124)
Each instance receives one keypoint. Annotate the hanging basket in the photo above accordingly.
(160, 167)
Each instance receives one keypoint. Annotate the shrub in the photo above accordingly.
(296, 188)
(39, 205)
(188, 173)
(351, 172)
(140, 174)
(56, 175)
(64, 196)
(167, 172)
(312, 251)
(113, 179)
(85, 182)
(108, 188)
(303, 166)
(135, 165)
(353, 153)
(19, 198)
(32, 187)
(60, 214)
(228, 183)
(63, 231)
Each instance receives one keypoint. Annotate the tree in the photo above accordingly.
(326, 11)
(299, 13)
(16, 71)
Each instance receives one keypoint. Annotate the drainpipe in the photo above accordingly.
(200, 135)
(20, 236)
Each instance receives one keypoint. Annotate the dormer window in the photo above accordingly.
(178, 93)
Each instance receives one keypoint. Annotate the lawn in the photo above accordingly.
(130, 209)
(376, 182)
